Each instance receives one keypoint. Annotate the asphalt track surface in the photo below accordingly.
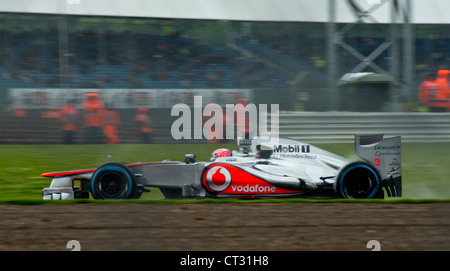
(231, 227)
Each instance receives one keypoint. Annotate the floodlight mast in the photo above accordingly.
(401, 83)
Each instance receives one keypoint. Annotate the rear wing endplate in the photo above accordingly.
(385, 156)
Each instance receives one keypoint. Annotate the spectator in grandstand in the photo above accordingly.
(213, 79)
(69, 115)
(93, 108)
(135, 83)
(319, 63)
(185, 81)
(144, 125)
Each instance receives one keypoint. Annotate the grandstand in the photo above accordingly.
(164, 53)
(171, 58)
(125, 60)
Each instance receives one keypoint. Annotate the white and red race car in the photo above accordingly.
(261, 167)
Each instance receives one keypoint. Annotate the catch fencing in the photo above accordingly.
(311, 127)
(335, 127)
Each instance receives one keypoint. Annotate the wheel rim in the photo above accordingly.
(112, 184)
(358, 188)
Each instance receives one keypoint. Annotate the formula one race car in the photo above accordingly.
(262, 167)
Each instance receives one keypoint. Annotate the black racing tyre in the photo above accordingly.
(359, 180)
(113, 181)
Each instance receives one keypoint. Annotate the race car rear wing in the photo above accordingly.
(385, 156)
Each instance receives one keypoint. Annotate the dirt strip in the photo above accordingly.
(246, 226)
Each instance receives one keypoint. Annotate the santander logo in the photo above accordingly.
(218, 178)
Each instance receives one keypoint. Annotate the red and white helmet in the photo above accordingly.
(220, 153)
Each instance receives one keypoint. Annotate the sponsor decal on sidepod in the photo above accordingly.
(229, 179)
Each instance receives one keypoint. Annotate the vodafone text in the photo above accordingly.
(254, 188)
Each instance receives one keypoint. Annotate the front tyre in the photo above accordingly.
(113, 181)
(358, 180)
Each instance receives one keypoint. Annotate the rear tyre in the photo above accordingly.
(359, 180)
(113, 181)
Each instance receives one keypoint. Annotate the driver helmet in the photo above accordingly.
(220, 153)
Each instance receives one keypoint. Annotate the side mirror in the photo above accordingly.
(189, 158)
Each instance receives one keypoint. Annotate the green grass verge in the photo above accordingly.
(222, 201)
(426, 167)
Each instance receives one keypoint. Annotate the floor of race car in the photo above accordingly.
(246, 226)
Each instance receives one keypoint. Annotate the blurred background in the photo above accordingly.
(74, 70)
